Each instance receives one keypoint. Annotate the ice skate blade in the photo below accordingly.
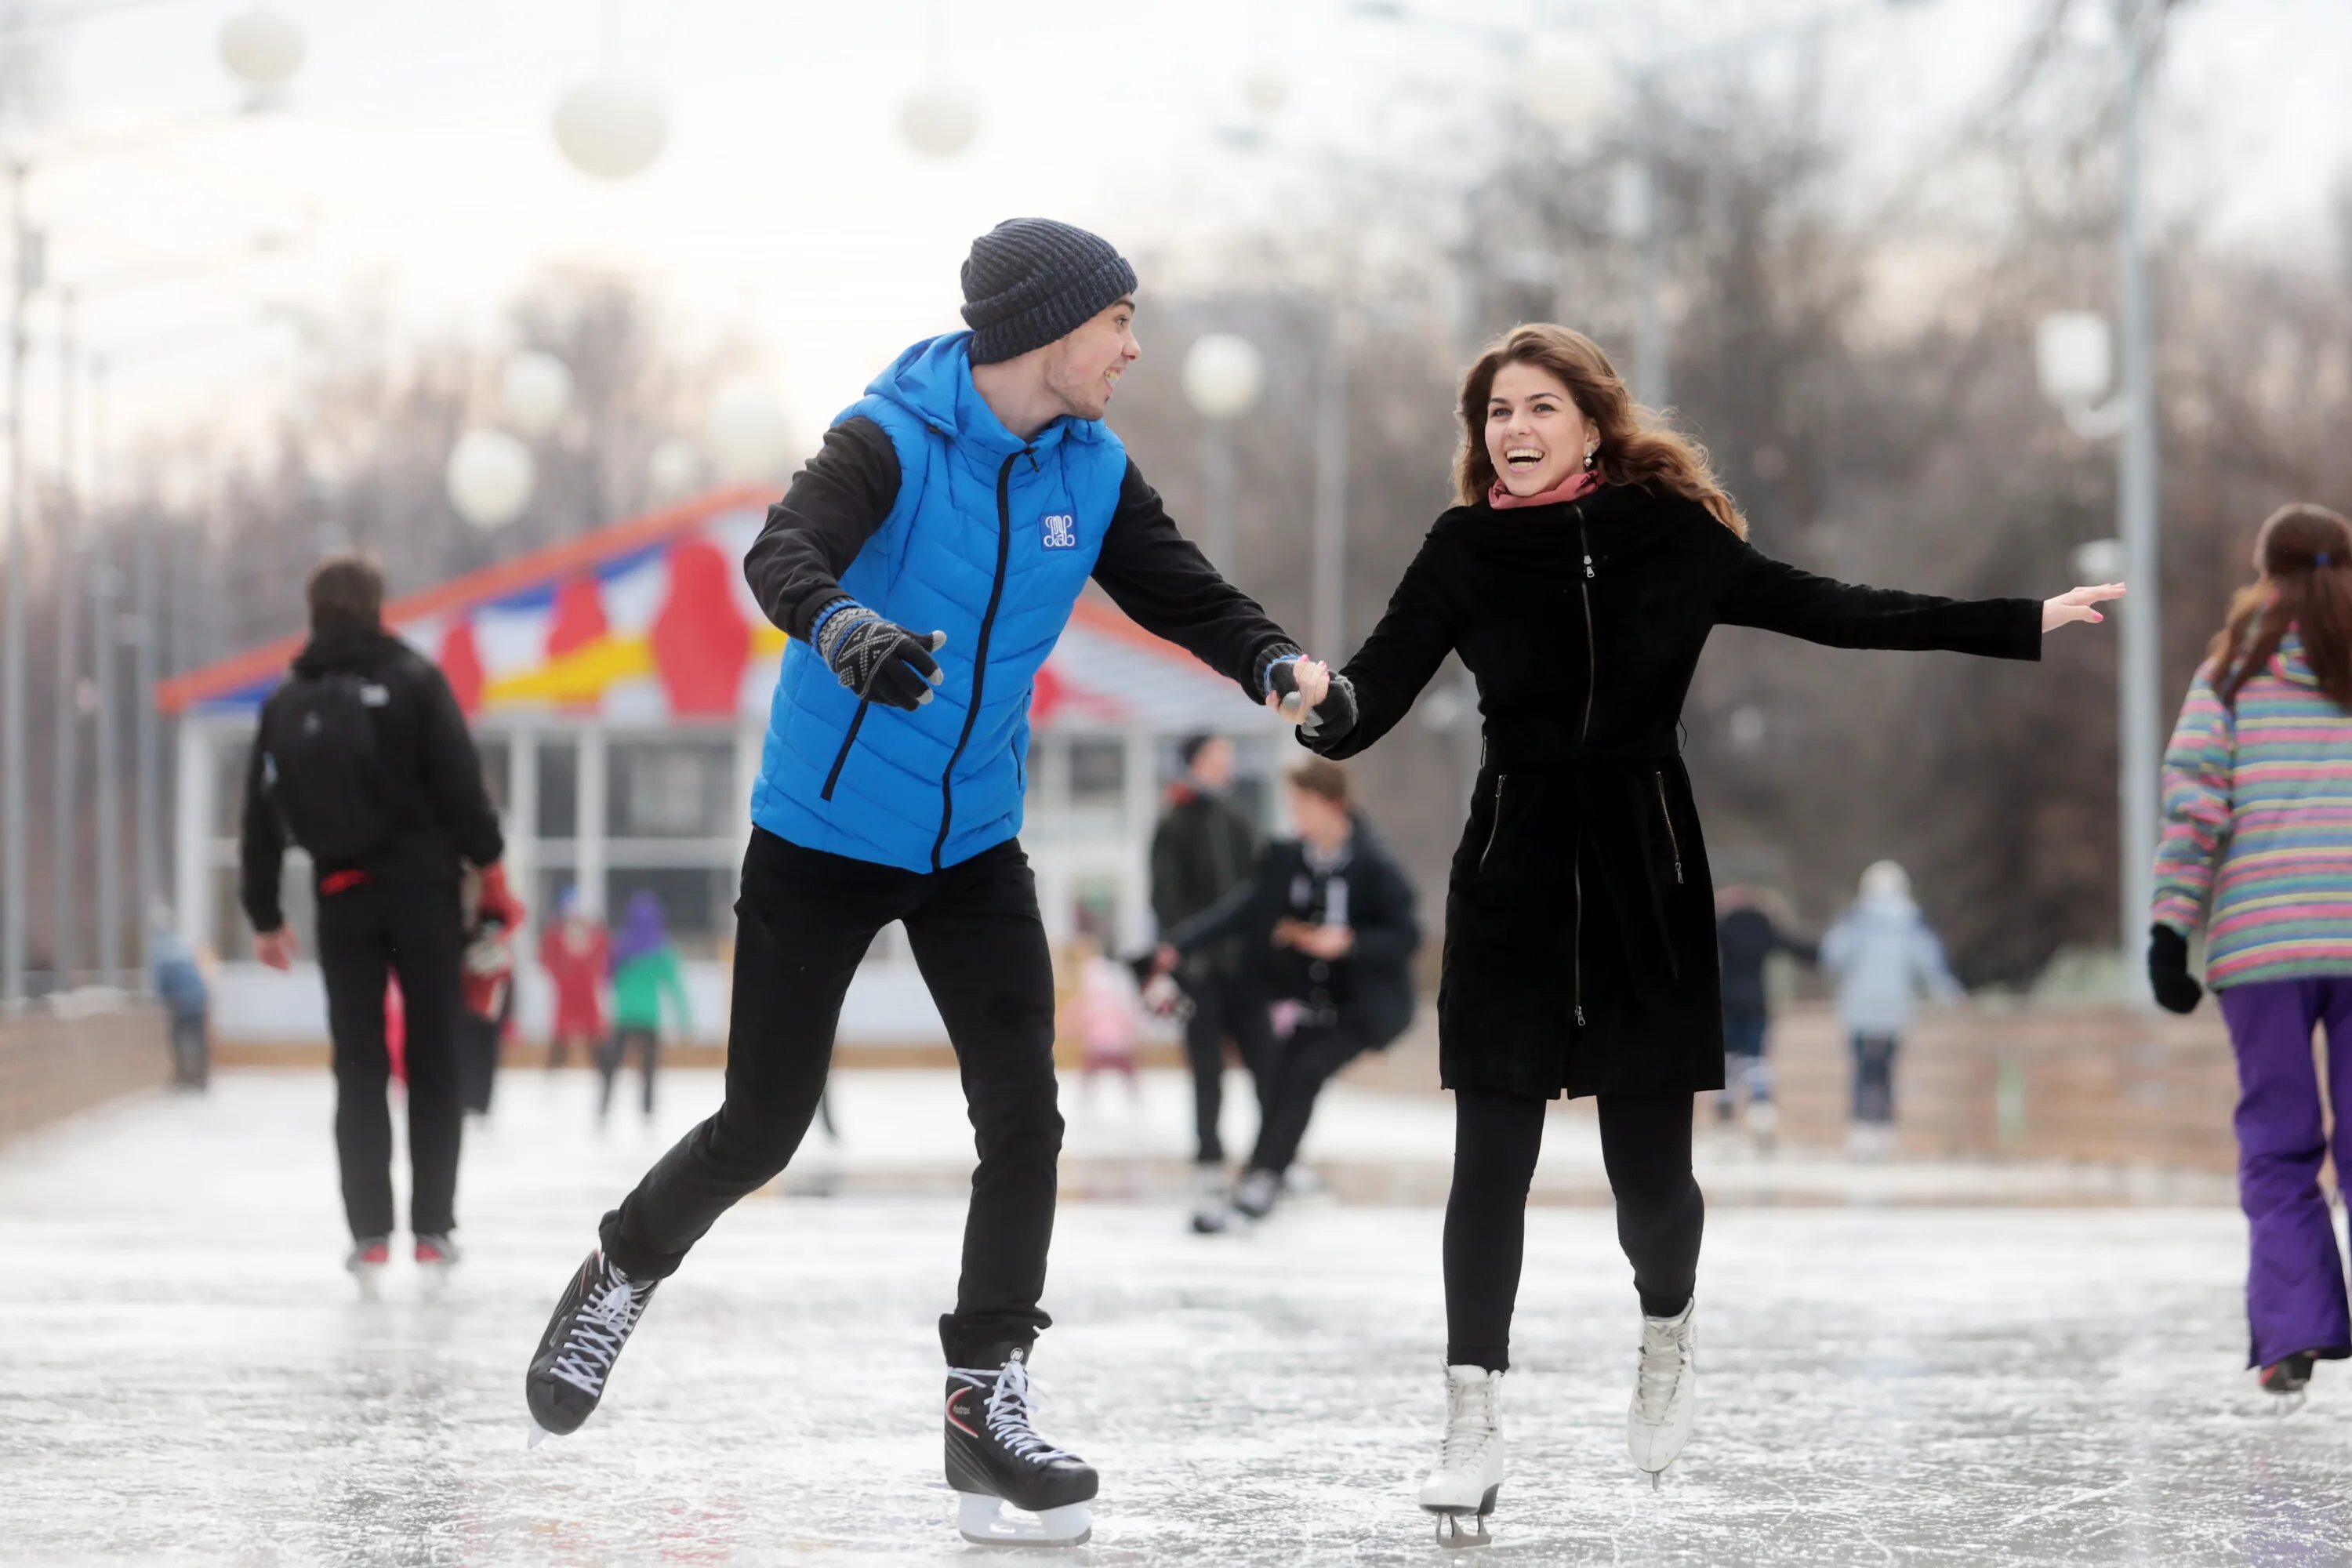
(1460, 1528)
(982, 1520)
(538, 1435)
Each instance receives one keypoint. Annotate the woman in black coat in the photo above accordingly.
(1591, 555)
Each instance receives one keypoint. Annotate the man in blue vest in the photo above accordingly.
(924, 562)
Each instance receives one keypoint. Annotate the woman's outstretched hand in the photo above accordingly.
(2076, 605)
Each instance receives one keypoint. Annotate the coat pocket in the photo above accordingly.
(1494, 828)
(1666, 815)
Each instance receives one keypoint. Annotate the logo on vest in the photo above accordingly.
(1058, 530)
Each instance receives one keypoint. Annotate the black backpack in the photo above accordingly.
(323, 770)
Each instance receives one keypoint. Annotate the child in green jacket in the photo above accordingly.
(644, 971)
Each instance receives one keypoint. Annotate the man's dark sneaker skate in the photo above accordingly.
(367, 1260)
(583, 1341)
(995, 1458)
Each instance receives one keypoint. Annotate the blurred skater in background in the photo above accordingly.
(1883, 954)
(1751, 925)
(1203, 848)
(493, 915)
(574, 950)
(645, 977)
(2255, 825)
(179, 982)
(1327, 926)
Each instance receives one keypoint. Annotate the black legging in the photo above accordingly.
(1645, 1146)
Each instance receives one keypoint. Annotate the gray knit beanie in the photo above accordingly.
(1030, 281)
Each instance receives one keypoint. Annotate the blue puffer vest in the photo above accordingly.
(990, 540)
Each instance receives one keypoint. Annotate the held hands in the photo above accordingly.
(1306, 692)
(880, 661)
(2075, 606)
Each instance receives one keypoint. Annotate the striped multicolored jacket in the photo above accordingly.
(2257, 836)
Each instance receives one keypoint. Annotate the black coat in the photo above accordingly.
(1202, 849)
(440, 806)
(1371, 988)
(1745, 939)
(1580, 919)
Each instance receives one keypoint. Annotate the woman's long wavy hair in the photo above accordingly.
(1636, 447)
(2303, 554)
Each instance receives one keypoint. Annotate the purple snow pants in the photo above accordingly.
(2295, 1286)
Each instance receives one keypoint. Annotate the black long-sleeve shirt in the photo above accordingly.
(1150, 570)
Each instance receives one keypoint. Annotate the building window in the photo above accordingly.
(696, 903)
(1097, 773)
(671, 789)
(232, 753)
(498, 771)
(558, 790)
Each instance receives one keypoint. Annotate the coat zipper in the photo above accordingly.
(1591, 682)
(842, 756)
(1494, 831)
(980, 649)
(1666, 811)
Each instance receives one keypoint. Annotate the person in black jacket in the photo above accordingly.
(388, 812)
(1589, 556)
(1203, 848)
(1326, 923)
(1746, 935)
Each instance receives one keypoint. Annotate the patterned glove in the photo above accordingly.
(880, 662)
(2176, 989)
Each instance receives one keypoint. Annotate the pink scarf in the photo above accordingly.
(1578, 485)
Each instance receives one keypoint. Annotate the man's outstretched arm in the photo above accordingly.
(1168, 587)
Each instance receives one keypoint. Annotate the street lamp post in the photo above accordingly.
(65, 813)
(13, 759)
(2072, 357)
(2141, 738)
(1223, 376)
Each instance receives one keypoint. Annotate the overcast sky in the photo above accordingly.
(415, 149)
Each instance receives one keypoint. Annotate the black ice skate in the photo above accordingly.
(583, 1341)
(994, 1457)
(2288, 1378)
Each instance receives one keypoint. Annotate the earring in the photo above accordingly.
(1591, 459)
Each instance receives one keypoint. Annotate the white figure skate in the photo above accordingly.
(1461, 1490)
(1666, 1392)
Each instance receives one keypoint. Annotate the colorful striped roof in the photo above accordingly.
(649, 620)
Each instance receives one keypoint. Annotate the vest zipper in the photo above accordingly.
(842, 756)
(1495, 830)
(1584, 734)
(1667, 811)
(980, 649)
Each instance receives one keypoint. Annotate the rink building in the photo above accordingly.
(619, 686)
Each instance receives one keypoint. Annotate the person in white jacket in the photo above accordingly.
(1884, 956)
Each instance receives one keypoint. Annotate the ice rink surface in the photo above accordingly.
(187, 1375)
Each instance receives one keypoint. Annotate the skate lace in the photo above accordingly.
(1012, 1403)
(598, 1333)
(1471, 1425)
(1665, 1353)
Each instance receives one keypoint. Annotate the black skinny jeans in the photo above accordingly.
(1223, 1006)
(647, 1045)
(414, 930)
(802, 923)
(1645, 1146)
(1294, 1075)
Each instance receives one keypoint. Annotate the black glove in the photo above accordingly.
(1335, 714)
(880, 662)
(2176, 989)
(1331, 718)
